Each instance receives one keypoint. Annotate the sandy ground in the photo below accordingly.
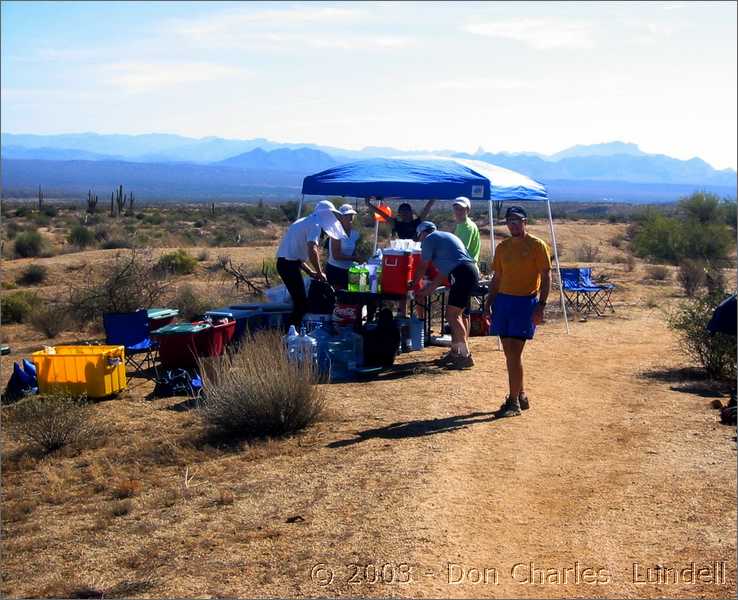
(410, 487)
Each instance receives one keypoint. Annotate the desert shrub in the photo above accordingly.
(17, 306)
(586, 252)
(153, 219)
(203, 255)
(177, 262)
(658, 272)
(23, 211)
(364, 247)
(617, 241)
(130, 283)
(630, 263)
(28, 244)
(691, 276)
(32, 275)
(714, 279)
(50, 422)
(41, 220)
(190, 303)
(11, 230)
(49, 210)
(714, 352)
(289, 210)
(81, 236)
(50, 319)
(258, 392)
(698, 230)
(116, 244)
(101, 233)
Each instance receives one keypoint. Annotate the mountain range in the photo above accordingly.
(163, 166)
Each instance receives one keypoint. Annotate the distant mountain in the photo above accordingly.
(284, 164)
(301, 160)
(123, 145)
(189, 181)
(645, 168)
(150, 181)
(53, 154)
(607, 149)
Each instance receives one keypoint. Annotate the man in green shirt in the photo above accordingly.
(466, 229)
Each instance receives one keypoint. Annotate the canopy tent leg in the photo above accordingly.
(376, 236)
(558, 266)
(299, 208)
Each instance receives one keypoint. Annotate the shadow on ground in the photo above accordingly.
(409, 429)
(688, 380)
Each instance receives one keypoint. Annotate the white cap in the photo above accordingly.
(463, 201)
(324, 205)
(346, 209)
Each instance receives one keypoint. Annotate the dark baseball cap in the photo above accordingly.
(516, 211)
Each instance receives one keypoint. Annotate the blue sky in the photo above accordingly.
(505, 76)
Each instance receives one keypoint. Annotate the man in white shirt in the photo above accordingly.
(299, 246)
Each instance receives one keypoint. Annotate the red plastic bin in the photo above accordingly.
(181, 344)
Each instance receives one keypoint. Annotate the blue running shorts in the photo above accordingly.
(512, 316)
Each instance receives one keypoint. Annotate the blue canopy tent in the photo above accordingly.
(423, 178)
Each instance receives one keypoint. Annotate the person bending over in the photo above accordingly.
(452, 260)
(300, 246)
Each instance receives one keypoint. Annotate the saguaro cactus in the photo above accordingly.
(91, 202)
(40, 198)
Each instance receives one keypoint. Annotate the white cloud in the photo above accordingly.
(482, 84)
(243, 22)
(145, 77)
(539, 33)
(295, 27)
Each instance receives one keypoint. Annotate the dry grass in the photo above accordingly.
(376, 478)
(50, 422)
(257, 391)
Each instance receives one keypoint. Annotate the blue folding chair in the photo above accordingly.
(131, 330)
(582, 295)
(601, 292)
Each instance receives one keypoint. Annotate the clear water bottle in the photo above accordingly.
(290, 343)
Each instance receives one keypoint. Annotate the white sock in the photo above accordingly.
(463, 349)
(456, 348)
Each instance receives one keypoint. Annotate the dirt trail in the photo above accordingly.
(411, 481)
(608, 469)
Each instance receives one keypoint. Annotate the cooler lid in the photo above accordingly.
(182, 329)
(162, 313)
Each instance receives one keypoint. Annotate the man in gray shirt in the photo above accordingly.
(449, 256)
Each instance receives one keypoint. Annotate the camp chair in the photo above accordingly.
(582, 294)
(131, 330)
(601, 292)
(578, 298)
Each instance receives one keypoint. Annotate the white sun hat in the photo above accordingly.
(325, 212)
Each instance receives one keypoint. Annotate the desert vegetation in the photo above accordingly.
(267, 455)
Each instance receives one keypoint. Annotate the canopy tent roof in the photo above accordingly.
(412, 178)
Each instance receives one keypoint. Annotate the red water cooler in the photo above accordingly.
(396, 270)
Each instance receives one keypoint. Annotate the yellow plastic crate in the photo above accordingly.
(93, 370)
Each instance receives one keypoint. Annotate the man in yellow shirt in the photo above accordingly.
(517, 295)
